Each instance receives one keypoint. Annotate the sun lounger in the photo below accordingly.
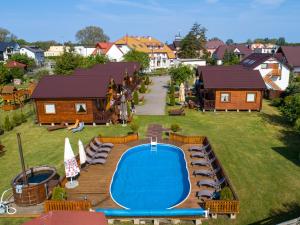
(198, 148)
(57, 127)
(177, 112)
(79, 128)
(75, 125)
(100, 149)
(99, 143)
(200, 154)
(208, 173)
(95, 161)
(212, 183)
(93, 154)
(203, 162)
(205, 193)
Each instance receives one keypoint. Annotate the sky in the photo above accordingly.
(239, 20)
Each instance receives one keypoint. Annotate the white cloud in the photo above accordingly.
(270, 2)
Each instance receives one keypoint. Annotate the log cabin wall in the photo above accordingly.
(64, 111)
(238, 100)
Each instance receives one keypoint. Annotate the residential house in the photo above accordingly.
(14, 64)
(273, 70)
(175, 46)
(191, 62)
(229, 88)
(84, 51)
(89, 95)
(264, 48)
(112, 51)
(7, 49)
(212, 45)
(291, 56)
(56, 50)
(35, 53)
(240, 50)
(161, 56)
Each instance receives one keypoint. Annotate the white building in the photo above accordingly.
(56, 50)
(275, 73)
(35, 53)
(191, 62)
(7, 49)
(84, 51)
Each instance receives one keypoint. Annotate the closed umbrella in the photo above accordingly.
(181, 93)
(123, 110)
(71, 167)
(82, 154)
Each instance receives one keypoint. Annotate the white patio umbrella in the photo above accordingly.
(181, 93)
(82, 154)
(123, 110)
(71, 167)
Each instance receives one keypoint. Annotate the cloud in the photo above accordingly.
(269, 2)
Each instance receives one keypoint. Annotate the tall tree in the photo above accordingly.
(91, 35)
(4, 34)
(281, 41)
(229, 42)
(230, 58)
(67, 63)
(193, 44)
(181, 73)
(140, 57)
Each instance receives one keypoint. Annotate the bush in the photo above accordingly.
(297, 79)
(134, 127)
(128, 110)
(23, 117)
(59, 193)
(17, 120)
(172, 99)
(7, 126)
(1, 131)
(172, 88)
(136, 97)
(143, 88)
(297, 124)
(226, 194)
(276, 102)
(175, 127)
(147, 80)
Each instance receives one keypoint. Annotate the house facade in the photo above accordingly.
(291, 56)
(229, 88)
(273, 70)
(84, 51)
(56, 50)
(264, 48)
(212, 45)
(113, 52)
(7, 49)
(161, 56)
(35, 53)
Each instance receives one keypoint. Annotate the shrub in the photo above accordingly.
(136, 97)
(1, 131)
(175, 127)
(7, 124)
(23, 117)
(59, 193)
(17, 119)
(297, 79)
(172, 99)
(143, 88)
(276, 102)
(226, 194)
(128, 110)
(297, 124)
(172, 88)
(134, 127)
(147, 80)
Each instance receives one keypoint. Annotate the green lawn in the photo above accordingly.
(259, 153)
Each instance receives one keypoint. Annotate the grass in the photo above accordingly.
(258, 151)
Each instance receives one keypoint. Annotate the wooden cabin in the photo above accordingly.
(89, 95)
(229, 88)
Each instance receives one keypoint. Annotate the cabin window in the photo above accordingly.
(264, 65)
(251, 97)
(225, 97)
(80, 108)
(50, 109)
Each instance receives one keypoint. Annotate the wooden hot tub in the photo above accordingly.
(41, 181)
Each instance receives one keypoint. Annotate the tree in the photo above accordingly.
(181, 73)
(291, 108)
(193, 44)
(215, 39)
(230, 58)
(5, 76)
(135, 97)
(140, 57)
(23, 58)
(67, 63)
(281, 41)
(16, 73)
(249, 42)
(4, 34)
(229, 42)
(91, 35)
(93, 60)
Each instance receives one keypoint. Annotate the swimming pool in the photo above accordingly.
(151, 180)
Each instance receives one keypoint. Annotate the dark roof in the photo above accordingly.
(230, 77)
(34, 49)
(219, 53)
(174, 45)
(69, 218)
(213, 44)
(4, 45)
(291, 54)
(255, 59)
(15, 64)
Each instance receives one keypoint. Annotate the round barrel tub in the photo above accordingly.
(41, 181)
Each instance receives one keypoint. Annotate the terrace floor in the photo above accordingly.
(94, 183)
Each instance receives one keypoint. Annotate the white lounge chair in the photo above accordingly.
(200, 154)
(205, 193)
(203, 162)
(199, 148)
(208, 173)
(212, 183)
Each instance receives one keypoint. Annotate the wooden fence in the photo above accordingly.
(120, 140)
(187, 139)
(222, 206)
(65, 205)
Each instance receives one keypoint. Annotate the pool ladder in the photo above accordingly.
(153, 144)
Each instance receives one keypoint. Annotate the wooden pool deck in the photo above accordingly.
(94, 181)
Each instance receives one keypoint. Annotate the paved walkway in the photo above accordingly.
(155, 101)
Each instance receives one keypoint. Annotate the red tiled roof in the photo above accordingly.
(69, 218)
(15, 64)
(292, 54)
(213, 44)
(219, 53)
(230, 77)
(104, 46)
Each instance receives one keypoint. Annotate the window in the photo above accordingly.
(251, 97)
(50, 109)
(264, 65)
(80, 108)
(225, 97)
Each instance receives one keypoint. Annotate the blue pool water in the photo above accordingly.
(38, 178)
(151, 180)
